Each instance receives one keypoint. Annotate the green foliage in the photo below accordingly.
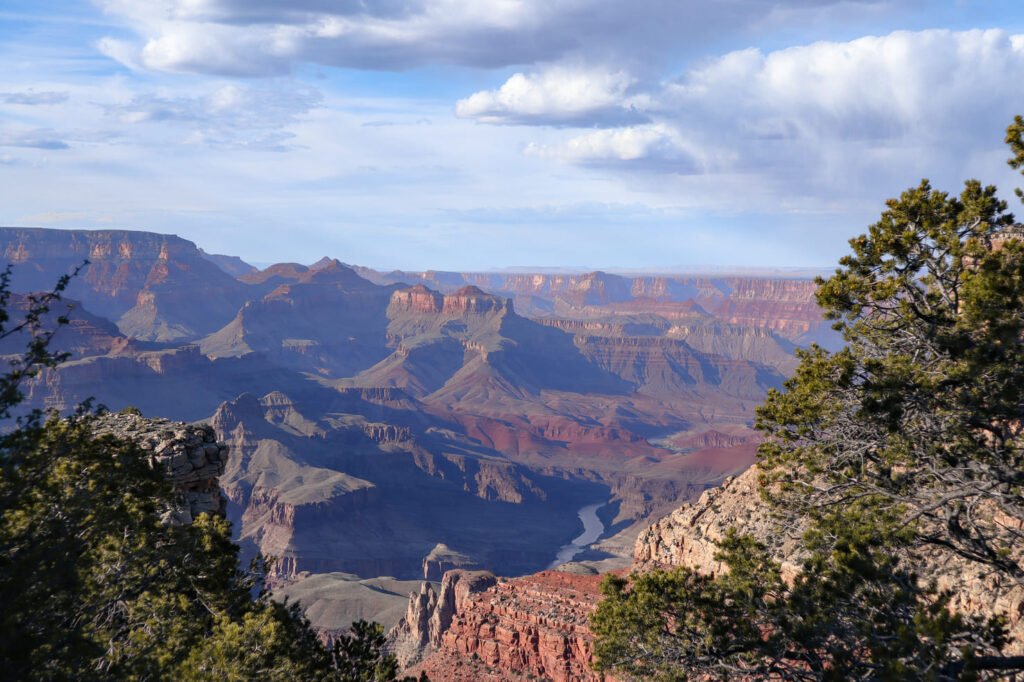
(364, 644)
(921, 412)
(850, 613)
(1015, 139)
(907, 439)
(271, 642)
(94, 586)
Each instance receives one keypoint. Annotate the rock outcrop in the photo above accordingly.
(687, 537)
(479, 628)
(429, 614)
(189, 454)
(443, 559)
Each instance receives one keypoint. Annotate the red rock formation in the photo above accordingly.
(418, 299)
(429, 614)
(471, 300)
(149, 283)
(526, 628)
(784, 305)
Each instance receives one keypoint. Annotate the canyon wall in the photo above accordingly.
(484, 628)
(782, 305)
(687, 537)
(145, 282)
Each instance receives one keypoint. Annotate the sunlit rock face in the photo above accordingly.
(189, 455)
(482, 628)
(145, 282)
(687, 537)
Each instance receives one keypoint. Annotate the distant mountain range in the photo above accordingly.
(377, 417)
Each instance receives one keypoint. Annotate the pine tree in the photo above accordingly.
(908, 438)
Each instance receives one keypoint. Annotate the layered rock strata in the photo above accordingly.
(533, 627)
(688, 537)
(429, 614)
(189, 454)
(145, 282)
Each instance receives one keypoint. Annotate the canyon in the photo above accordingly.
(481, 627)
(390, 427)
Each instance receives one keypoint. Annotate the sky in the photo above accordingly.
(482, 134)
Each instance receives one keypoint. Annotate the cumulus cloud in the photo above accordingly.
(902, 84)
(267, 37)
(558, 96)
(632, 143)
(828, 112)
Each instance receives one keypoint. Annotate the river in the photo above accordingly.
(592, 530)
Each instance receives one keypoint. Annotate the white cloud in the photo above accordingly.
(556, 96)
(824, 118)
(899, 85)
(622, 144)
(123, 52)
(794, 147)
(268, 37)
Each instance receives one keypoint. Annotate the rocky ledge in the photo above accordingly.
(189, 454)
(687, 537)
(484, 628)
(479, 627)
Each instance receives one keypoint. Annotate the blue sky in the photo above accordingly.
(457, 134)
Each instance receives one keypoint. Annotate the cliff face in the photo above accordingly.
(480, 628)
(148, 283)
(84, 335)
(784, 306)
(429, 614)
(317, 484)
(189, 454)
(687, 538)
(536, 627)
(660, 366)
